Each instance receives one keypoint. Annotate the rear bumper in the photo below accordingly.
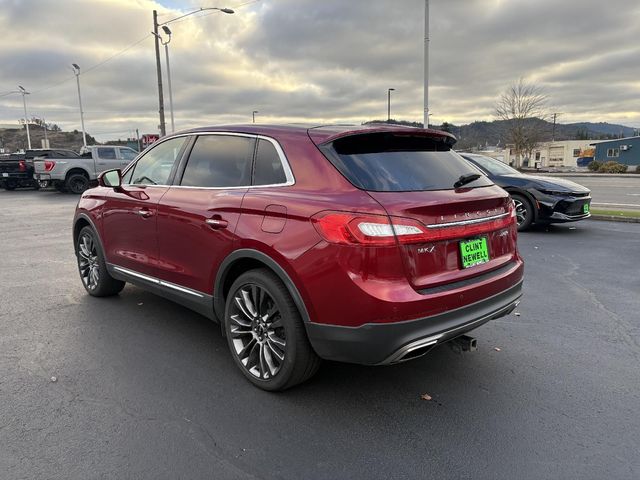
(14, 176)
(386, 343)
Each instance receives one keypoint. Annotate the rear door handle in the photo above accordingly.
(145, 213)
(216, 223)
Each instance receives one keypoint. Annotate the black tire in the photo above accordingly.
(10, 185)
(41, 184)
(524, 211)
(76, 183)
(275, 321)
(92, 267)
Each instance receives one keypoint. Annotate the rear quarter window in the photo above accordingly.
(268, 169)
(387, 162)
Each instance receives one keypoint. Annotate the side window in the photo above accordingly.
(126, 180)
(107, 153)
(219, 161)
(268, 169)
(127, 154)
(154, 167)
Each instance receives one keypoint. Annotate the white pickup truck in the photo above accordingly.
(76, 174)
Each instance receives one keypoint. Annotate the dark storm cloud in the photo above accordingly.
(330, 60)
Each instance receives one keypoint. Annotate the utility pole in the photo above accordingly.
(553, 131)
(138, 137)
(426, 64)
(26, 120)
(253, 114)
(46, 140)
(163, 130)
(389, 90)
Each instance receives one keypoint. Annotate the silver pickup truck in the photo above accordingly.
(76, 174)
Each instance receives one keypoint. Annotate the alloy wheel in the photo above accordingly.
(88, 261)
(78, 184)
(257, 331)
(521, 211)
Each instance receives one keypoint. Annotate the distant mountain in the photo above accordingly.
(478, 134)
(605, 128)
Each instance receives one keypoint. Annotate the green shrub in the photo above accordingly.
(612, 167)
(594, 166)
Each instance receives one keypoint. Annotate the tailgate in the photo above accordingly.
(38, 166)
(450, 222)
(473, 223)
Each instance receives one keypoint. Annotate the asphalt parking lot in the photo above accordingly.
(147, 389)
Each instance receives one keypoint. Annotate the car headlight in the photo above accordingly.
(555, 193)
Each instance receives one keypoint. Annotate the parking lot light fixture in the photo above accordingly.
(76, 71)
(23, 92)
(253, 114)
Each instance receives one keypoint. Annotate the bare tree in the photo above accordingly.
(522, 106)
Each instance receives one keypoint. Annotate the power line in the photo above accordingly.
(93, 67)
(87, 70)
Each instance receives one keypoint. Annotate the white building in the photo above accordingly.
(554, 154)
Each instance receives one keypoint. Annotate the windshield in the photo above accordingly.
(384, 162)
(493, 166)
(128, 154)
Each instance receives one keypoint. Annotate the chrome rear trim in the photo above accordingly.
(468, 222)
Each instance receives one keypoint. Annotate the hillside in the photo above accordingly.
(477, 134)
(13, 139)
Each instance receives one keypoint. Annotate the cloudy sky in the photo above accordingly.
(316, 60)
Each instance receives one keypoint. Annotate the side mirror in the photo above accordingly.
(111, 179)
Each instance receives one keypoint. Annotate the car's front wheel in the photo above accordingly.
(524, 211)
(92, 266)
(265, 332)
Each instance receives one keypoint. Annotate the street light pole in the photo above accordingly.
(389, 90)
(163, 130)
(76, 70)
(253, 114)
(426, 64)
(157, 38)
(26, 120)
(167, 30)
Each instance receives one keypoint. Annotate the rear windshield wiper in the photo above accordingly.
(464, 179)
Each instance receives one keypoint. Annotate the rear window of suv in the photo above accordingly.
(385, 162)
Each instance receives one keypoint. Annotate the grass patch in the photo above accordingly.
(617, 213)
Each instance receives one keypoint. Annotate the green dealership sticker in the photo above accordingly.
(585, 208)
(474, 252)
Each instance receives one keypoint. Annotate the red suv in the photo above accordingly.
(356, 244)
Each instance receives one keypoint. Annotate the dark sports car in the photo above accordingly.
(538, 200)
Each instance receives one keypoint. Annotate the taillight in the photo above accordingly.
(379, 230)
(48, 165)
(22, 166)
(364, 229)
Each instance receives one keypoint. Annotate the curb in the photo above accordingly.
(615, 218)
(594, 175)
